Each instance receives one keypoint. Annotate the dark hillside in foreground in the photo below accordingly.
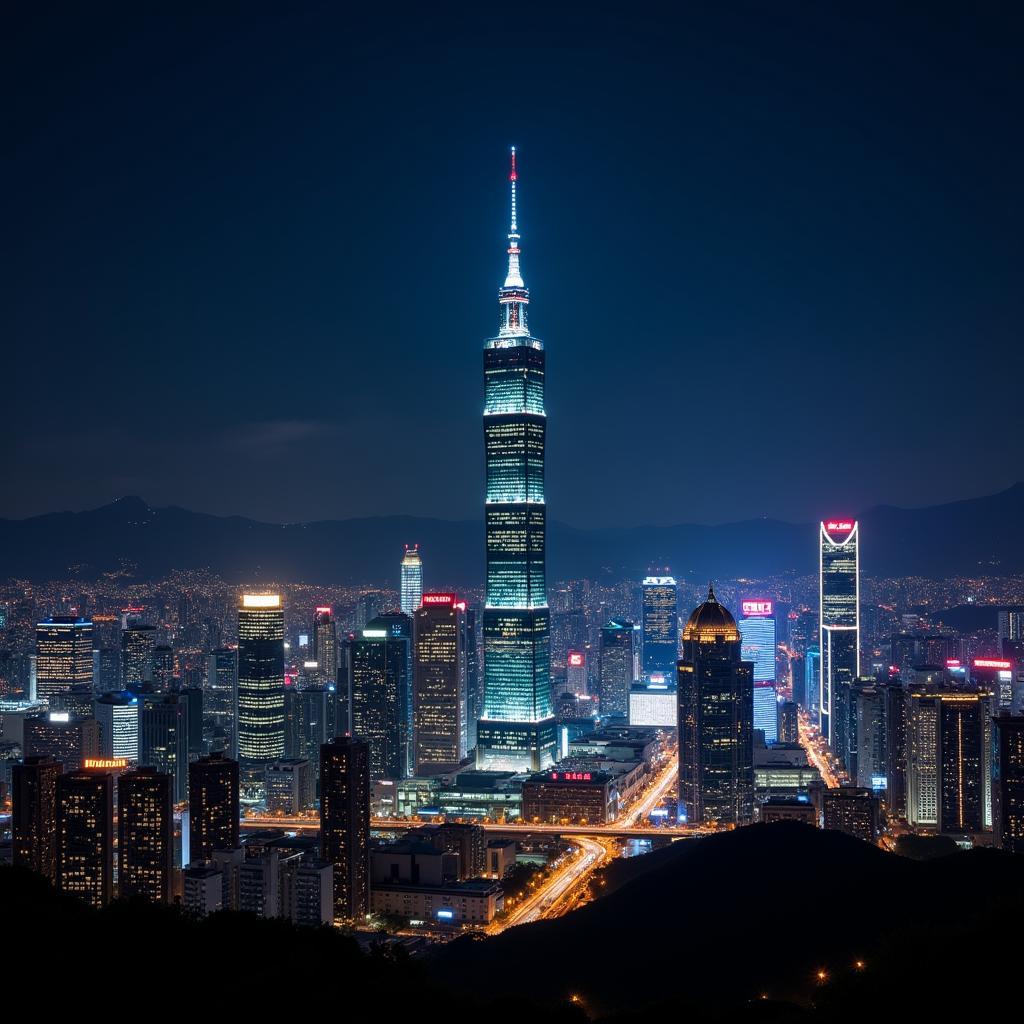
(701, 932)
(726, 919)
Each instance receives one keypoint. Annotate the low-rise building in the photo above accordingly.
(452, 905)
(560, 796)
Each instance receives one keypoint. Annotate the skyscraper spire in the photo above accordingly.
(513, 295)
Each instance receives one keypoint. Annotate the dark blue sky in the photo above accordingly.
(774, 251)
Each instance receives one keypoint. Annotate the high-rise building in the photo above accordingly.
(660, 629)
(85, 835)
(163, 670)
(345, 823)
(163, 738)
(716, 712)
(260, 681)
(138, 641)
(440, 735)
(325, 643)
(757, 628)
(34, 819)
(766, 711)
(839, 607)
(213, 806)
(947, 781)
(1008, 781)
(63, 737)
(221, 696)
(474, 679)
(1010, 623)
(789, 729)
(145, 835)
(118, 717)
(289, 784)
(412, 580)
(380, 683)
(63, 655)
(517, 728)
(616, 666)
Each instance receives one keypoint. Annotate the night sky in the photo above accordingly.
(774, 250)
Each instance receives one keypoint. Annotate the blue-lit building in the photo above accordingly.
(660, 630)
(516, 730)
(766, 711)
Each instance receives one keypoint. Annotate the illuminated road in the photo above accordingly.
(561, 890)
(632, 825)
(818, 753)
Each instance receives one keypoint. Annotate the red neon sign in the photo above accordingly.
(439, 599)
(992, 663)
(575, 659)
(324, 610)
(843, 525)
(952, 663)
(571, 776)
(755, 608)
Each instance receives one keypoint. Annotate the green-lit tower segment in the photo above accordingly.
(517, 729)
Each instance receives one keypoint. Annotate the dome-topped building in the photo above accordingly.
(711, 622)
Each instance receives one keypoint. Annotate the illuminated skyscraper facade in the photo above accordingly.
(145, 830)
(660, 630)
(716, 728)
(412, 579)
(63, 655)
(517, 728)
(260, 680)
(85, 836)
(440, 736)
(616, 667)
(839, 607)
(345, 823)
(325, 643)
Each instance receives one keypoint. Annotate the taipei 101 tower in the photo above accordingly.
(517, 728)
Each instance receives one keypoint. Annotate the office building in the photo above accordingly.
(576, 797)
(716, 727)
(1008, 781)
(766, 710)
(85, 836)
(138, 641)
(69, 740)
(517, 728)
(853, 810)
(145, 835)
(34, 815)
(948, 788)
(617, 659)
(325, 643)
(789, 723)
(379, 675)
(1010, 625)
(839, 612)
(660, 630)
(63, 655)
(440, 733)
(163, 738)
(412, 580)
(213, 806)
(290, 786)
(757, 628)
(260, 681)
(117, 715)
(345, 823)
(220, 699)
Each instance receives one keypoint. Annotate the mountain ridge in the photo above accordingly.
(974, 536)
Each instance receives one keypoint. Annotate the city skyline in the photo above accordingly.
(793, 229)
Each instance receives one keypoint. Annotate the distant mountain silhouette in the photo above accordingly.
(981, 536)
(721, 921)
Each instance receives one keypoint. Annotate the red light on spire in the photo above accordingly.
(512, 176)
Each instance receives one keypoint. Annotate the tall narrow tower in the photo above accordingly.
(517, 728)
(839, 612)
